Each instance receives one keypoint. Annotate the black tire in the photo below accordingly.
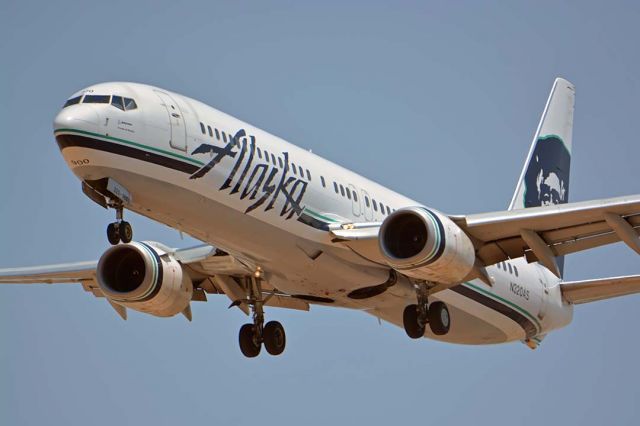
(126, 233)
(410, 321)
(274, 338)
(248, 345)
(439, 318)
(113, 234)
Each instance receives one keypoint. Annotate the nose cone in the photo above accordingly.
(77, 117)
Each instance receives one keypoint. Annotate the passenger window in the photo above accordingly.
(217, 134)
(308, 175)
(335, 186)
(348, 192)
(224, 137)
(273, 159)
(210, 131)
(381, 208)
(375, 205)
(355, 196)
(202, 128)
(72, 101)
(280, 162)
(96, 99)
(515, 270)
(322, 180)
(259, 153)
(300, 170)
(117, 102)
(510, 270)
(342, 190)
(388, 210)
(129, 104)
(293, 168)
(366, 201)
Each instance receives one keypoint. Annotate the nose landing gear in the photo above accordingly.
(416, 317)
(253, 336)
(119, 230)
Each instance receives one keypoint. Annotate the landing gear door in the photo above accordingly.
(178, 138)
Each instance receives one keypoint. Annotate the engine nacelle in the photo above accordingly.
(143, 277)
(426, 245)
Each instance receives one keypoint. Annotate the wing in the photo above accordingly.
(539, 233)
(542, 233)
(578, 292)
(51, 274)
(212, 272)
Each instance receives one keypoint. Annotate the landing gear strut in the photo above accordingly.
(416, 317)
(119, 230)
(252, 336)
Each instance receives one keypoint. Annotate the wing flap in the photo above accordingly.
(578, 292)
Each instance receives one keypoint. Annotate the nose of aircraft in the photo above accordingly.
(79, 117)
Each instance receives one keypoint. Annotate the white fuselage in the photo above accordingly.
(270, 203)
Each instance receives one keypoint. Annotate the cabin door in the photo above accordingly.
(178, 136)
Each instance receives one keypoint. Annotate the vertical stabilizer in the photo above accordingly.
(545, 177)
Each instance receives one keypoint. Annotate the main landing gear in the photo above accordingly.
(253, 336)
(119, 230)
(416, 317)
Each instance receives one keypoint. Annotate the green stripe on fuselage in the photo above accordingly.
(128, 142)
(511, 304)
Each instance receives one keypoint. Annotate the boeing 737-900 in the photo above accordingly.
(285, 228)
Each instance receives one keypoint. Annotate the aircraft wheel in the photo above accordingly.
(439, 319)
(126, 233)
(248, 345)
(274, 337)
(113, 234)
(411, 323)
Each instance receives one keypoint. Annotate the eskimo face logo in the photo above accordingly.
(547, 177)
(257, 182)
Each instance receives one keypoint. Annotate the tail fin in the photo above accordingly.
(545, 177)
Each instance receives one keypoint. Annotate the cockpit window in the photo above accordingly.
(96, 99)
(129, 104)
(72, 101)
(117, 102)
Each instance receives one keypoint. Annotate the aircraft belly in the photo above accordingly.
(471, 323)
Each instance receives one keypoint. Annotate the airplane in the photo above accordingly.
(283, 227)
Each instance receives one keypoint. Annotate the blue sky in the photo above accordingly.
(437, 100)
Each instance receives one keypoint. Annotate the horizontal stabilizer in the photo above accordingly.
(578, 292)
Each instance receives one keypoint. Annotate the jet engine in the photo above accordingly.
(144, 277)
(426, 245)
